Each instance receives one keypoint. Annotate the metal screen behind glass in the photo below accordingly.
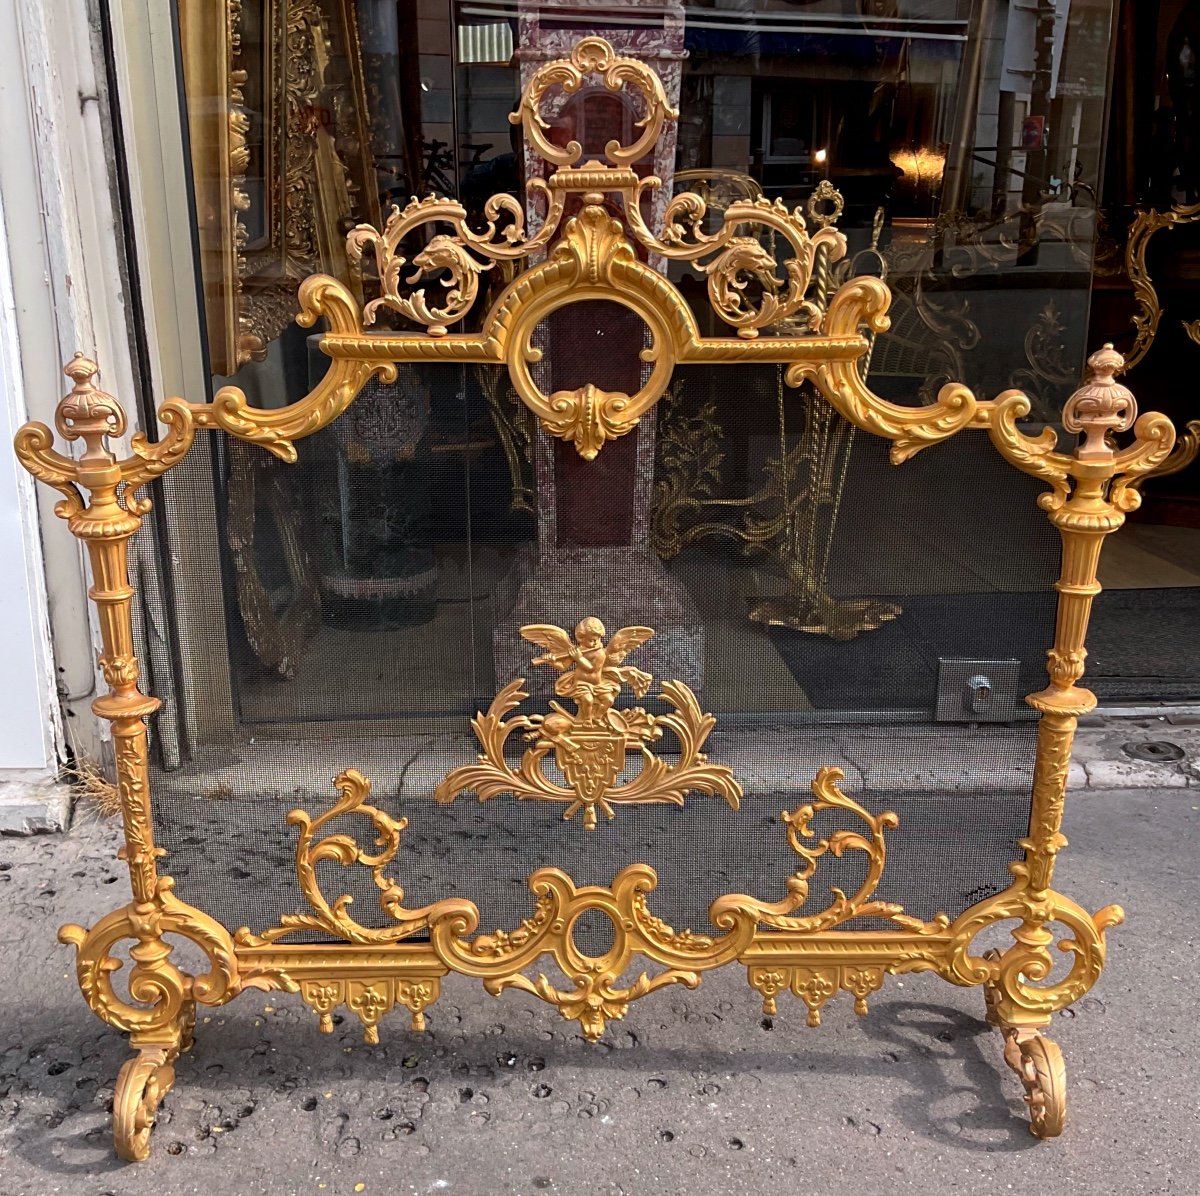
(358, 607)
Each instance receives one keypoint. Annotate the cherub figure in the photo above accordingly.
(592, 673)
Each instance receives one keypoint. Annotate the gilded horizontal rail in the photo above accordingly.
(481, 350)
(416, 956)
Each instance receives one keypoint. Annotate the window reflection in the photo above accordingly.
(974, 126)
(964, 136)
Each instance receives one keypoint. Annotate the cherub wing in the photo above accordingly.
(555, 640)
(624, 641)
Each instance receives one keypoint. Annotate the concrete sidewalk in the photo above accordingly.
(693, 1093)
(953, 757)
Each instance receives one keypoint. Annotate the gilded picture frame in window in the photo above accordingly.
(281, 159)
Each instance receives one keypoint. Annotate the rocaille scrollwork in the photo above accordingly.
(590, 746)
(593, 255)
(500, 957)
(334, 917)
(783, 946)
(1187, 449)
(735, 257)
(1147, 223)
(1148, 317)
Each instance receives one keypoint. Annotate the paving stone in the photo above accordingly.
(1132, 774)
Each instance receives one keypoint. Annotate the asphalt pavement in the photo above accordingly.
(694, 1092)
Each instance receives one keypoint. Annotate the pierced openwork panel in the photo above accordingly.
(611, 717)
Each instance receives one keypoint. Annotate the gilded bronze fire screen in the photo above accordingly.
(593, 754)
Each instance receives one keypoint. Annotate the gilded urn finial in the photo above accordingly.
(80, 369)
(88, 413)
(1100, 406)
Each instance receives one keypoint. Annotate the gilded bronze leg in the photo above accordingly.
(1092, 489)
(103, 510)
(144, 1081)
(1037, 1062)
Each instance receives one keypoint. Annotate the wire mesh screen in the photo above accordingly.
(359, 607)
(810, 593)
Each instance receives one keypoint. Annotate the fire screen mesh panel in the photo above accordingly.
(621, 717)
(787, 702)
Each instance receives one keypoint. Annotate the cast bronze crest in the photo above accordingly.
(591, 745)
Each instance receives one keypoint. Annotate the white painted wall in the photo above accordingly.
(60, 290)
(28, 702)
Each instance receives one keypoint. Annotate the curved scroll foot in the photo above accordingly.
(1039, 1065)
(144, 1081)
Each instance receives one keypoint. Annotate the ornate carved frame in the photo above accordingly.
(1146, 320)
(783, 946)
(1146, 224)
(317, 177)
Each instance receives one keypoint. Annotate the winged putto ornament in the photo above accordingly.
(590, 745)
(592, 675)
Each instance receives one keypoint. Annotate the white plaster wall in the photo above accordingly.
(60, 290)
(28, 701)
